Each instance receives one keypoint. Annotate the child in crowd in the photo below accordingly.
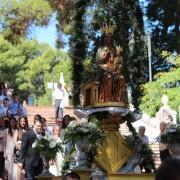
(17, 151)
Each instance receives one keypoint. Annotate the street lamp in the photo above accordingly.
(131, 42)
(56, 60)
(129, 94)
(131, 47)
(149, 55)
(52, 76)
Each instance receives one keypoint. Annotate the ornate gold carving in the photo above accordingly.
(119, 49)
(110, 70)
(111, 104)
(91, 97)
(108, 29)
(115, 151)
(91, 93)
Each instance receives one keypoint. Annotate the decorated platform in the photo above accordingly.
(85, 175)
(98, 150)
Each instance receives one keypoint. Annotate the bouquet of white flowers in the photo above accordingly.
(47, 146)
(84, 129)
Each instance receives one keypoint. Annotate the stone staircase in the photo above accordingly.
(155, 148)
(48, 113)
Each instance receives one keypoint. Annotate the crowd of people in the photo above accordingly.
(16, 138)
(17, 162)
(170, 164)
(163, 148)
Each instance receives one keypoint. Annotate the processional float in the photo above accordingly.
(107, 95)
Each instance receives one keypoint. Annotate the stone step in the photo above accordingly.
(46, 112)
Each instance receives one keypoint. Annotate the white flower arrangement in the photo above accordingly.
(85, 138)
(47, 146)
(82, 129)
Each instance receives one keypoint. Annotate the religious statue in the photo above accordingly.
(119, 88)
(113, 87)
(165, 113)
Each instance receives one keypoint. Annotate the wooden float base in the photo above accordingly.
(143, 176)
(49, 178)
(85, 175)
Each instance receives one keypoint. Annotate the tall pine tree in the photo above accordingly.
(163, 16)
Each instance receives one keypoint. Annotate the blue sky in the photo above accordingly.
(48, 34)
(45, 34)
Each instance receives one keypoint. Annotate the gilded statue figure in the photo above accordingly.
(110, 67)
(104, 60)
(119, 85)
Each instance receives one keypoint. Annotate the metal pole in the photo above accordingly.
(149, 55)
(53, 78)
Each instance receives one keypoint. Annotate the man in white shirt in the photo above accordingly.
(142, 135)
(58, 96)
(145, 140)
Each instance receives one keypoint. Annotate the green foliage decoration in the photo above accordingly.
(78, 49)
